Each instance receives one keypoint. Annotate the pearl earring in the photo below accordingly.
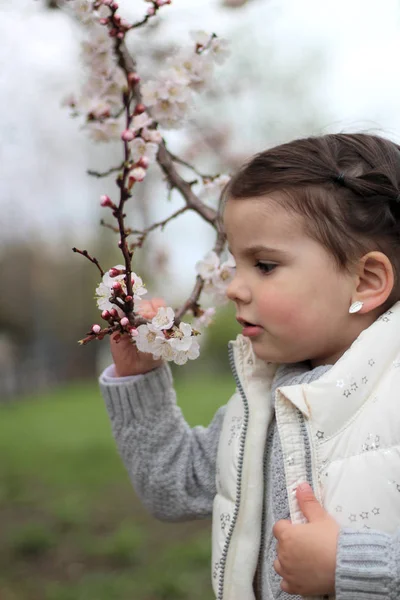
(356, 306)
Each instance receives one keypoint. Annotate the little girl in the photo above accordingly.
(314, 227)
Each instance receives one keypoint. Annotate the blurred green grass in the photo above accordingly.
(71, 527)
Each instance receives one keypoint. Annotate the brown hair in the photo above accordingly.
(347, 186)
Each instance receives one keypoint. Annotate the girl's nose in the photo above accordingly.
(238, 291)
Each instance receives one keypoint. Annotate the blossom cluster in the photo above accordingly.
(163, 339)
(100, 95)
(216, 274)
(114, 278)
(169, 97)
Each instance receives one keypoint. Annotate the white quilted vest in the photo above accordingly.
(341, 433)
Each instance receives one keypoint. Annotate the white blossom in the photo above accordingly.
(217, 276)
(220, 50)
(181, 339)
(104, 131)
(223, 276)
(138, 288)
(140, 149)
(174, 91)
(164, 318)
(151, 135)
(192, 353)
(208, 266)
(149, 91)
(198, 68)
(200, 37)
(148, 339)
(205, 319)
(142, 120)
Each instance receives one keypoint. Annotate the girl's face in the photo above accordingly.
(291, 298)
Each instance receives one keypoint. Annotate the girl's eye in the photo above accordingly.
(265, 267)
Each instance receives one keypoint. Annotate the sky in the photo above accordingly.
(44, 189)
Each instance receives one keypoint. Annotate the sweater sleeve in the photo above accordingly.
(172, 466)
(368, 565)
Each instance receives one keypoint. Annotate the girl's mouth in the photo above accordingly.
(249, 329)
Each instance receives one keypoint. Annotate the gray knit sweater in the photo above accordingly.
(172, 468)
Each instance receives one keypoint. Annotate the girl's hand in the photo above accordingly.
(127, 359)
(307, 553)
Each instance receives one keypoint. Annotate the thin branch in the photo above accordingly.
(143, 233)
(106, 173)
(92, 259)
(108, 226)
(189, 166)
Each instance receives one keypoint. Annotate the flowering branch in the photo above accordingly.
(117, 103)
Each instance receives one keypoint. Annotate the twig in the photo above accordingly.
(180, 161)
(106, 173)
(143, 233)
(92, 259)
(108, 226)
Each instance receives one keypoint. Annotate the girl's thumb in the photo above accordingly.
(308, 504)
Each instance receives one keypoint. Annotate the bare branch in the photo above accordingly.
(144, 233)
(92, 259)
(106, 173)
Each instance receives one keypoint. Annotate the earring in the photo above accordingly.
(356, 306)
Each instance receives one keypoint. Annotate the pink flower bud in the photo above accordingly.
(138, 174)
(105, 201)
(114, 272)
(114, 5)
(127, 135)
(114, 313)
(113, 32)
(117, 18)
(120, 35)
(117, 287)
(134, 332)
(151, 11)
(124, 321)
(125, 24)
(103, 21)
(96, 329)
(143, 162)
(105, 315)
(140, 108)
(128, 298)
(133, 78)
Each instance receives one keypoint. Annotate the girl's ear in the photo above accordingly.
(374, 281)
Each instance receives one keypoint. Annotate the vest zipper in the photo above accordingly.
(239, 473)
(262, 538)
